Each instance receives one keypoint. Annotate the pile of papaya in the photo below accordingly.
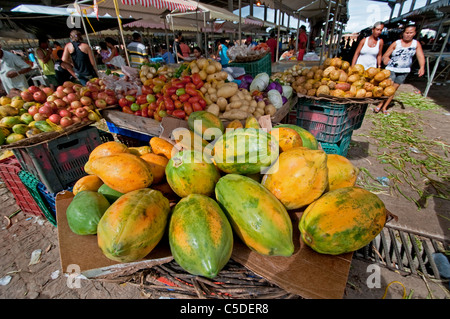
(212, 181)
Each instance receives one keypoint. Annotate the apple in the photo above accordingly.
(39, 117)
(85, 100)
(77, 87)
(110, 92)
(68, 84)
(60, 94)
(111, 100)
(84, 91)
(66, 121)
(55, 118)
(93, 87)
(46, 110)
(76, 119)
(81, 112)
(48, 91)
(33, 89)
(60, 103)
(52, 105)
(27, 96)
(102, 95)
(39, 96)
(51, 98)
(34, 109)
(94, 95)
(64, 113)
(101, 104)
(75, 104)
(72, 97)
(68, 90)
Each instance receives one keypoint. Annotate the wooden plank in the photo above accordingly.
(138, 124)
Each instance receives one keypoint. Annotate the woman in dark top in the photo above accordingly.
(82, 57)
(63, 70)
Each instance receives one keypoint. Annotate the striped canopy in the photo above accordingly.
(171, 5)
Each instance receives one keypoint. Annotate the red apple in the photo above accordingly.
(94, 95)
(27, 96)
(60, 88)
(34, 109)
(39, 117)
(110, 92)
(76, 119)
(64, 113)
(68, 84)
(51, 98)
(48, 91)
(102, 95)
(93, 87)
(39, 96)
(72, 97)
(46, 110)
(77, 87)
(101, 104)
(60, 103)
(34, 89)
(81, 112)
(85, 100)
(66, 121)
(111, 100)
(75, 104)
(55, 118)
(124, 102)
(68, 90)
(60, 94)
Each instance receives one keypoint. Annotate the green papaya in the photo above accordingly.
(110, 194)
(14, 137)
(43, 126)
(20, 128)
(84, 212)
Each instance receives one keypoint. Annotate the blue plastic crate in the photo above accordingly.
(121, 131)
(49, 196)
(340, 148)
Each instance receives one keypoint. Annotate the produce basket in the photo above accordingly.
(31, 184)
(49, 197)
(60, 162)
(9, 170)
(248, 58)
(253, 68)
(339, 148)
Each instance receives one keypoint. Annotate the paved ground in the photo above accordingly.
(43, 280)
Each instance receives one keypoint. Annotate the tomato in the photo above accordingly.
(144, 111)
(138, 113)
(169, 105)
(157, 117)
(193, 99)
(199, 85)
(202, 102)
(196, 107)
(196, 79)
(178, 104)
(178, 84)
(141, 99)
(150, 98)
(180, 91)
(162, 77)
(184, 97)
(191, 91)
(124, 102)
(126, 109)
(171, 90)
(179, 113)
(188, 108)
(150, 113)
(174, 97)
(158, 82)
(157, 88)
(146, 89)
(186, 79)
(153, 105)
(162, 113)
(190, 85)
(134, 107)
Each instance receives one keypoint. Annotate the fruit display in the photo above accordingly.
(148, 71)
(41, 109)
(244, 52)
(337, 78)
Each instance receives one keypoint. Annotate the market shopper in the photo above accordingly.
(272, 44)
(114, 59)
(398, 60)
(45, 59)
(137, 51)
(222, 53)
(198, 53)
(369, 50)
(178, 53)
(63, 70)
(166, 55)
(12, 70)
(80, 55)
(302, 42)
(56, 48)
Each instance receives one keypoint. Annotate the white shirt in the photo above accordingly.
(401, 58)
(368, 55)
(12, 62)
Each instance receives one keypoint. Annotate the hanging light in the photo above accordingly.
(258, 3)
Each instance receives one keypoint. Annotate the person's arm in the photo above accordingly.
(358, 51)
(380, 54)
(66, 54)
(421, 58)
(42, 56)
(386, 56)
(68, 67)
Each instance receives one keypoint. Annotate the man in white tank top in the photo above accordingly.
(369, 50)
(398, 59)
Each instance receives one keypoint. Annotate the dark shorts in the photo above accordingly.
(84, 78)
(398, 78)
(51, 78)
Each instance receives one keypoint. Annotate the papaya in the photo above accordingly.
(251, 121)
(308, 140)
(157, 165)
(341, 172)
(162, 147)
(206, 124)
(256, 215)
(245, 151)
(140, 150)
(298, 177)
(14, 137)
(85, 211)
(200, 236)
(10, 121)
(189, 172)
(123, 172)
(187, 139)
(105, 149)
(110, 194)
(44, 126)
(133, 225)
(287, 138)
(87, 183)
(235, 124)
(342, 221)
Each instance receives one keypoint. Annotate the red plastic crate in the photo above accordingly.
(9, 169)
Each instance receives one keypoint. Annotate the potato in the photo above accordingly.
(203, 90)
(210, 69)
(248, 98)
(234, 98)
(207, 85)
(222, 103)
(244, 108)
(203, 74)
(212, 90)
(241, 95)
(202, 62)
(261, 104)
(236, 104)
(251, 109)
(213, 97)
(270, 110)
(222, 74)
(214, 109)
(257, 114)
(195, 69)
(227, 90)
(253, 103)
(235, 115)
(217, 65)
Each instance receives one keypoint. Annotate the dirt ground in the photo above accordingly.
(20, 279)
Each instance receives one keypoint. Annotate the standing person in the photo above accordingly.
(45, 60)
(80, 55)
(63, 70)
(272, 44)
(115, 59)
(12, 70)
(222, 53)
(302, 41)
(369, 50)
(398, 60)
(105, 54)
(185, 50)
(177, 49)
(56, 47)
(137, 51)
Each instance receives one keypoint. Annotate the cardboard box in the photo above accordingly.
(306, 273)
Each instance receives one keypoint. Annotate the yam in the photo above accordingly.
(227, 90)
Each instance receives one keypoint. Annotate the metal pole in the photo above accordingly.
(240, 23)
(298, 28)
(330, 48)
(430, 80)
(116, 6)
(278, 36)
(325, 32)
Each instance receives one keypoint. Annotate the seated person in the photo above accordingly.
(166, 55)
